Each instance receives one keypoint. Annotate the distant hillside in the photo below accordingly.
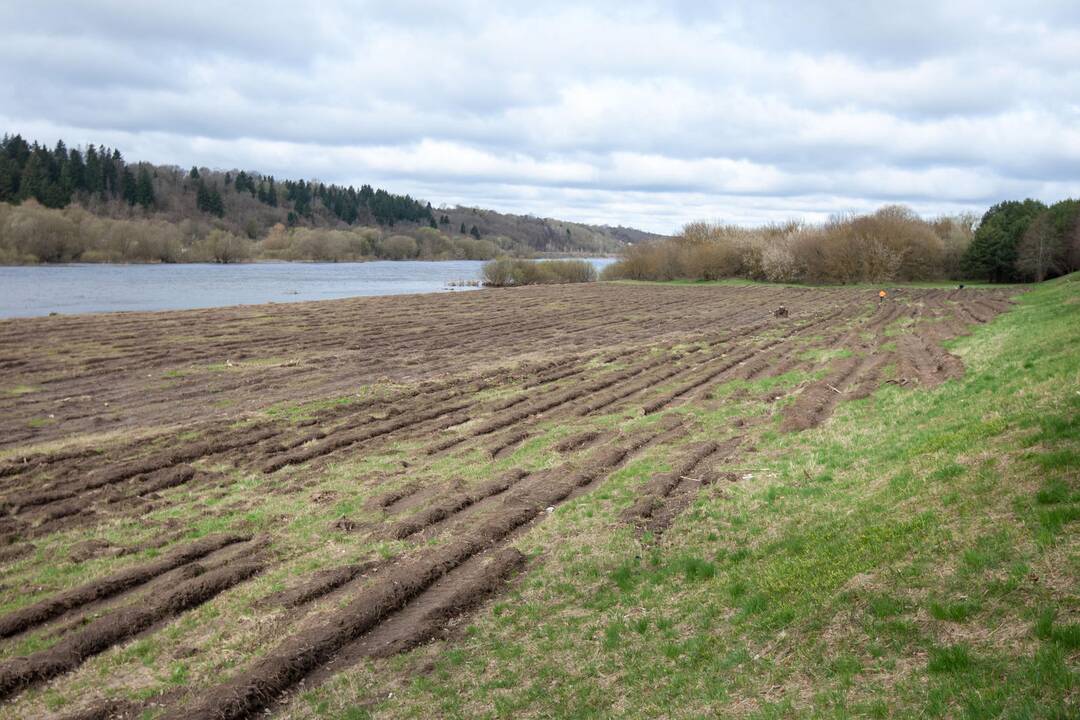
(544, 235)
(249, 205)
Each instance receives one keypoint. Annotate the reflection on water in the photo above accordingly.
(40, 290)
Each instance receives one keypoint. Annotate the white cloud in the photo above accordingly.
(648, 114)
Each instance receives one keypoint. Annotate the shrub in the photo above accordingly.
(34, 233)
(890, 244)
(399, 247)
(506, 271)
(498, 273)
(221, 246)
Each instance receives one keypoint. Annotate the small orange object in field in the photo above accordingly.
(882, 294)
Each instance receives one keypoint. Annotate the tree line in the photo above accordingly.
(1012, 242)
(99, 175)
(56, 177)
(249, 204)
(32, 233)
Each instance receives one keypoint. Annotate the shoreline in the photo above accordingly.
(275, 261)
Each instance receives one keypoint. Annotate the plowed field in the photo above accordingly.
(206, 511)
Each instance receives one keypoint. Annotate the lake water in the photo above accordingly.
(26, 291)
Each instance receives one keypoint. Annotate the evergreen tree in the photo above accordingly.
(992, 254)
(127, 186)
(54, 195)
(60, 157)
(114, 170)
(215, 205)
(194, 174)
(8, 178)
(77, 171)
(463, 231)
(34, 179)
(475, 232)
(66, 183)
(144, 188)
(202, 196)
(93, 171)
(18, 150)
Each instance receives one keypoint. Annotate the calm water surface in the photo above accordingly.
(69, 289)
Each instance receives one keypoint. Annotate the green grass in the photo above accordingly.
(296, 412)
(21, 390)
(951, 659)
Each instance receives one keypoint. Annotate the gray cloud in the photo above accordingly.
(647, 113)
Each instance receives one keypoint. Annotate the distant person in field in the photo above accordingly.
(881, 297)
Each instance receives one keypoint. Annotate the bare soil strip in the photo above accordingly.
(20, 620)
(100, 634)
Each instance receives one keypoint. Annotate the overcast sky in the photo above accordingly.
(642, 114)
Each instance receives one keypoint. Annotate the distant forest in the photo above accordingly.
(59, 176)
(93, 205)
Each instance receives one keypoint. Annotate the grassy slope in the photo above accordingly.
(916, 556)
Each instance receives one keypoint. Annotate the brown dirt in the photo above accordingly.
(460, 591)
(389, 498)
(102, 633)
(14, 552)
(104, 710)
(507, 444)
(319, 583)
(135, 370)
(579, 441)
(453, 503)
(19, 620)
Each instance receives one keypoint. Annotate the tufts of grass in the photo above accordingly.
(950, 659)
(1064, 459)
(1053, 491)
(695, 569)
(885, 606)
(957, 612)
(1047, 628)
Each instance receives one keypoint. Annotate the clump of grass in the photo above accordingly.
(695, 569)
(1058, 459)
(624, 577)
(885, 606)
(613, 635)
(948, 472)
(1047, 628)
(950, 659)
(957, 612)
(1053, 491)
